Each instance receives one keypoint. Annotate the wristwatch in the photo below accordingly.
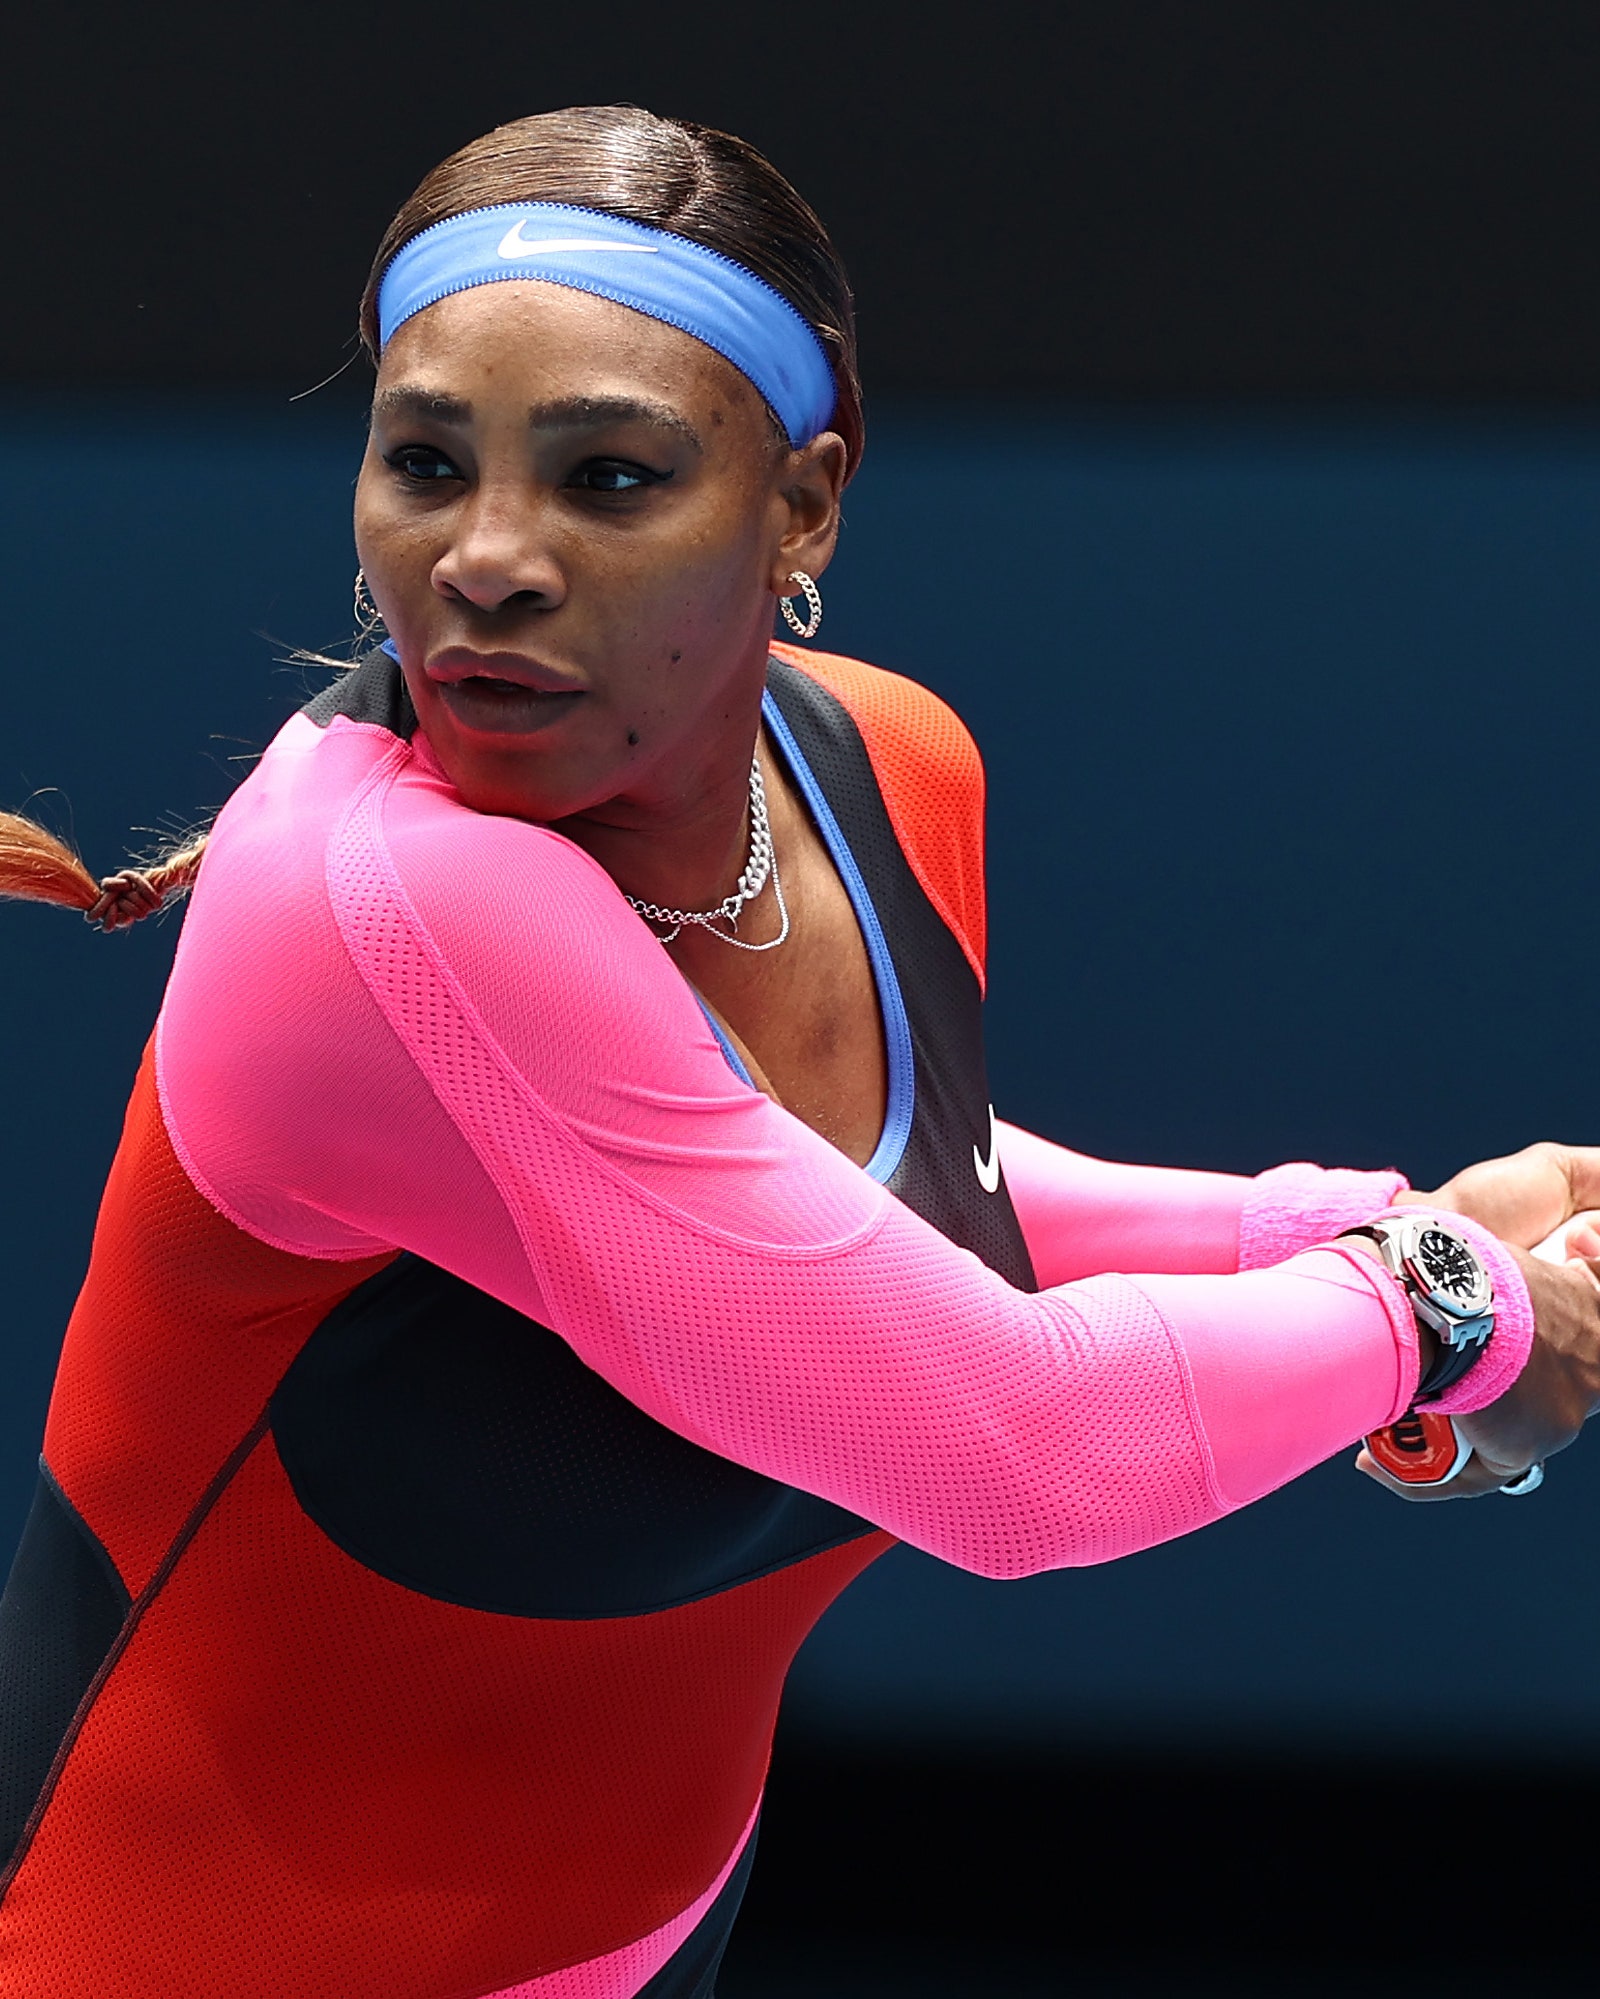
(1450, 1291)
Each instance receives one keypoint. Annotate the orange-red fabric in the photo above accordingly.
(931, 777)
(304, 1779)
(298, 1777)
(182, 1330)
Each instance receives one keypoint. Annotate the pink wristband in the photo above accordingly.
(1294, 1207)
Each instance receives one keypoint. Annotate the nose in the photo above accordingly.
(498, 557)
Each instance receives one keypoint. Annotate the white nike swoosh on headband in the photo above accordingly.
(513, 244)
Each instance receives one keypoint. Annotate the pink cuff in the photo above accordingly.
(1507, 1354)
(1295, 1207)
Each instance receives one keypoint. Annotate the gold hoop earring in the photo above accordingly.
(791, 616)
(369, 618)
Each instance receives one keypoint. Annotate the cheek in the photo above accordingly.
(374, 528)
(681, 626)
(394, 548)
(710, 570)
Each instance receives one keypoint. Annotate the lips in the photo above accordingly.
(502, 693)
(514, 669)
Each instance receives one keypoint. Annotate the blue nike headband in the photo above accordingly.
(667, 277)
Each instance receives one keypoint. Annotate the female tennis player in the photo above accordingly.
(561, 1235)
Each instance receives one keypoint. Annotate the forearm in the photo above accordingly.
(1081, 1215)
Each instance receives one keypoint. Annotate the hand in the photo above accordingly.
(1526, 1196)
(1549, 1402)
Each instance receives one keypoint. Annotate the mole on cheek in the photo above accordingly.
(633, 739)
(676, 657)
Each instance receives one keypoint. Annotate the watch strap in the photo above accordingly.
(1448, 1366)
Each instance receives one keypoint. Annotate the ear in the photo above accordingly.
(809, 484)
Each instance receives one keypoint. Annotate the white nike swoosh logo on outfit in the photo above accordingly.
(988, 1170)
(513, 244)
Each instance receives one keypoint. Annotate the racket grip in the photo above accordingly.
(1421, 1449)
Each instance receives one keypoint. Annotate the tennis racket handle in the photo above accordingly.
(1421, 1449)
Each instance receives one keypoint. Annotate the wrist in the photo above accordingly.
(1448, 1288)
(1427, 1338)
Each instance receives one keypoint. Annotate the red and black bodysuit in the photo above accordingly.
(479, 1389)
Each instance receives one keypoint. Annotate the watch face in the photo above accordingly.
(1451, 1271)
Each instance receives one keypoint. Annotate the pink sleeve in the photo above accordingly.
(1082, 1215)
(446, 1032)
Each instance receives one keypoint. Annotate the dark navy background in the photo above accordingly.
(1288, 729)
(1096, 197)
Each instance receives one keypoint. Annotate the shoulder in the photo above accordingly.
(904, 724)
(346, 830)
(931, 777)
(263, 1037)
(362, 948)
(339, 807)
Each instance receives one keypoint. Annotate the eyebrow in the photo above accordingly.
(421, 405)
(591, 412)
(564, 413)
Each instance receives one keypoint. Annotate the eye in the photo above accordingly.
(614, 475)
(421, 463)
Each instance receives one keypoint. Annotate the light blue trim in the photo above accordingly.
(653, 271)
(896, 1028)
(735, 1062)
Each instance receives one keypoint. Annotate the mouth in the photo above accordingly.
(502, 693)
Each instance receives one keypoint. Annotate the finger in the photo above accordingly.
(1578, 1235)
(1583, 1239)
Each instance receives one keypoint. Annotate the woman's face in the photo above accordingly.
(573, 519)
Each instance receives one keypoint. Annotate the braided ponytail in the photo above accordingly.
(35, 866)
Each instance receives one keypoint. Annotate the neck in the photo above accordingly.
(679, 835)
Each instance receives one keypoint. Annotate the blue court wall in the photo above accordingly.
(1288, 723)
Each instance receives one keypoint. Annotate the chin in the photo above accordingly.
(521, 778)
(536, 787)
(510, 799)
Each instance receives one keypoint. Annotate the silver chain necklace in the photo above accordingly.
(763, 861)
